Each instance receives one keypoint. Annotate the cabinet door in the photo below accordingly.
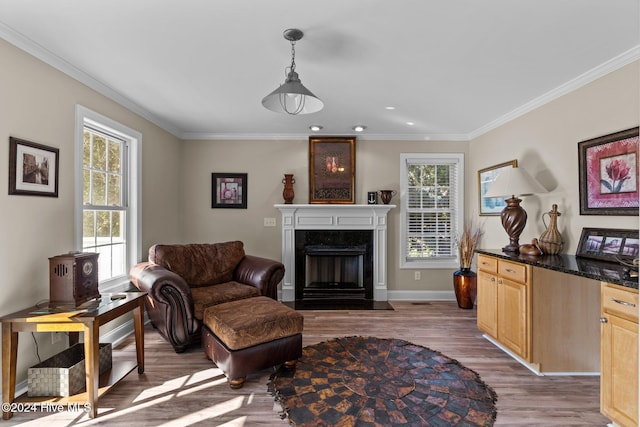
(619, 373)
(488, 303)
(512, 317)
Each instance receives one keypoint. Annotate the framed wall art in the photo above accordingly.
(33, 168)
(609, 174)
(486, 176)
(608, 244)
(229, 190)
(332, 164)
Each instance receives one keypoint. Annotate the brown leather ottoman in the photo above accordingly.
(248, 335)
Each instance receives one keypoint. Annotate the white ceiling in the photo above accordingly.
(200, 68)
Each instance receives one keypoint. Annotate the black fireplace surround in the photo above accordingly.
(340, 264)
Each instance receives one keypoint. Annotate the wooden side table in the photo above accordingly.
(86, 320)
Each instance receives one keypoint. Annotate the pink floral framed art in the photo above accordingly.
(609, 174)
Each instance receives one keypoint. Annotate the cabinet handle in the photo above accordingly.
(493, 279)
(500, 281)
(628, 304)
(603, 320)
(508, 270)
(485, 263)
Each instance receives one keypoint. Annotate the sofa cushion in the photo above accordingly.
(245, 323)
(201, 264)
(207, 296)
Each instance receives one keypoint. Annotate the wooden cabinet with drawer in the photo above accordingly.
(504, 297)
(487, 296)
(547, 320)
(619, 354)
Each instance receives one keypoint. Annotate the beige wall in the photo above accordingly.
(545, 142)
(377, 167)
(38, 104)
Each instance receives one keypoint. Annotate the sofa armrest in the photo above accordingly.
(263, 273)
(150, 278)
(169, 303)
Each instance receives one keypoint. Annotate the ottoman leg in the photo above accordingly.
(236, 383)
(290, 364)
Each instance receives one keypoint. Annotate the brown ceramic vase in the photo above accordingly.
(465, 284)
(288, 193)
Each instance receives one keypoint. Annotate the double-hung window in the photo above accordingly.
(108, 211)
(431, 204)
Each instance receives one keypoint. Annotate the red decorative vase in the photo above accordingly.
(465, 283)
(288, 193)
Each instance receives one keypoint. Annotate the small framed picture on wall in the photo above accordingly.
(229, 190)
(33, 168)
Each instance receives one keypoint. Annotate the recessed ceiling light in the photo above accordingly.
(410, 123)
(389, 108)
(315, 128)
(359, 128)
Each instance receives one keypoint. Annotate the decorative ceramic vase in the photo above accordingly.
(386, 195)
(288, 193)
(465, 284)
(550, 241)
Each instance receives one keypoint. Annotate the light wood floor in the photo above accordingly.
(187, 389)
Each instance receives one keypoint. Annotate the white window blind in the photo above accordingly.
(431, 209)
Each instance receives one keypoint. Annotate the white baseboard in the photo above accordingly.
(421, 295)
(413, 295)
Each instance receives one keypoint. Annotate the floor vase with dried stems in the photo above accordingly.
(465, 284)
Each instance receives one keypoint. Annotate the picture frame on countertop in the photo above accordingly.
(332, 164)
(608, 244)
(33, 168)
(229, 190)
(609, 174)
(492, 205)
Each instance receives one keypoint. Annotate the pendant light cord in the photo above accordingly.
(293, 58)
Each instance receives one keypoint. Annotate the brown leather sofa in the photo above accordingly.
(183, 280)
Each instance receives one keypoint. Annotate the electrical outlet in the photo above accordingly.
(55, 337)
(417, 275)
(269, 222)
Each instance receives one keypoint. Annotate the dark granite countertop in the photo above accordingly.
(593, 269)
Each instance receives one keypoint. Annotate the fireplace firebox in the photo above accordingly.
(334, 264)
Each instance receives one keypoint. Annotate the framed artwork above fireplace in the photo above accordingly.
(332, 164)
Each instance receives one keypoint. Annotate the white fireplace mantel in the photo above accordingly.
(335, 217)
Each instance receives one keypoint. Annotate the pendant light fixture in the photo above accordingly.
(292, 97)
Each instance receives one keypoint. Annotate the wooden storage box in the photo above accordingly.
(64, 373)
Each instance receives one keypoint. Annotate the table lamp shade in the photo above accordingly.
(512, 183)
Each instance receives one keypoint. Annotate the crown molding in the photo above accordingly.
(41, 53)
(295, 137)
(601, 70)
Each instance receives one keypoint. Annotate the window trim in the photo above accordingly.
(85, 116)
(459, 221)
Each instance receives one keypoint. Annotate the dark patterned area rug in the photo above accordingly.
(367, 381)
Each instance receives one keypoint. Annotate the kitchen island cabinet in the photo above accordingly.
(545, 318)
